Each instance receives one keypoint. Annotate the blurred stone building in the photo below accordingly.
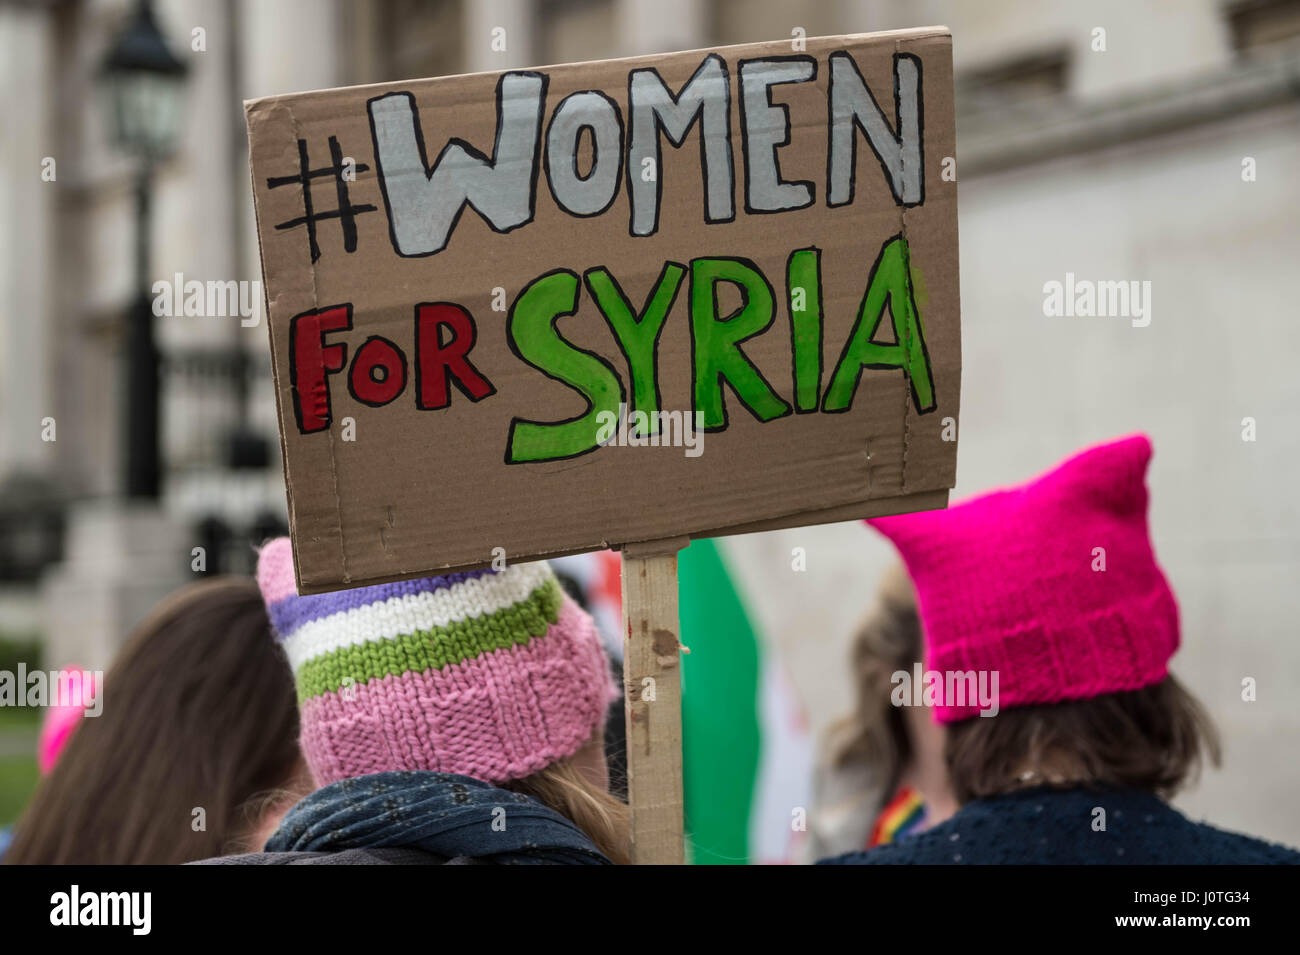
(1116, 140)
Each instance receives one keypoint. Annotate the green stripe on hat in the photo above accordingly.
(432, 649)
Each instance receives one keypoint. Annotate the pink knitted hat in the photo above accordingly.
(1053, 584)
(489, 674)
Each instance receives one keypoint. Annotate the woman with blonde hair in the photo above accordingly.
(452, 719)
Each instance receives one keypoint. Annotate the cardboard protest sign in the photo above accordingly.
(545, 311)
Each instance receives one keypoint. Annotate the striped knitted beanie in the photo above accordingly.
(489, 674)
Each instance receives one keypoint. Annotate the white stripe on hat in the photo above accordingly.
(385, 619)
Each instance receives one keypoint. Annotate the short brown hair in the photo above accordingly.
(887, 640)
(1150, 739)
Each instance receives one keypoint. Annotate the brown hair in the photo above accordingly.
(888, 640)
(1150, 739)
(199, 712)
(562, 786)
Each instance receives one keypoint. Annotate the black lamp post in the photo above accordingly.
(145, 86)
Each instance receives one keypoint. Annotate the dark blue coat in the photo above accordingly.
(403, 818)
(1056, 827)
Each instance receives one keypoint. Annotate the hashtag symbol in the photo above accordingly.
(346, 212)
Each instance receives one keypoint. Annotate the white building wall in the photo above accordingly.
(26, 267)
(1221, 346)
(1154, 41)
(498, 35)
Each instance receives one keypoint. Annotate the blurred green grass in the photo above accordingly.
(18, 777)
(20, 718)
(19, 726)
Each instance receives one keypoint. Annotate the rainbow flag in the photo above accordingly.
(904, 814)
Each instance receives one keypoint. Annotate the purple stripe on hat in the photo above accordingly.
(292, 612)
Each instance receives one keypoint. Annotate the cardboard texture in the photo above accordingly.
(449, 373)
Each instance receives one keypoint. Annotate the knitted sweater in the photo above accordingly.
(1056, 827)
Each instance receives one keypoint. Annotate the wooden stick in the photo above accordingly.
(653, 702)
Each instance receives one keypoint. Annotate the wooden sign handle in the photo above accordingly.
(652, 688)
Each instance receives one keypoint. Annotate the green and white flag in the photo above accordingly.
(747, 753)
